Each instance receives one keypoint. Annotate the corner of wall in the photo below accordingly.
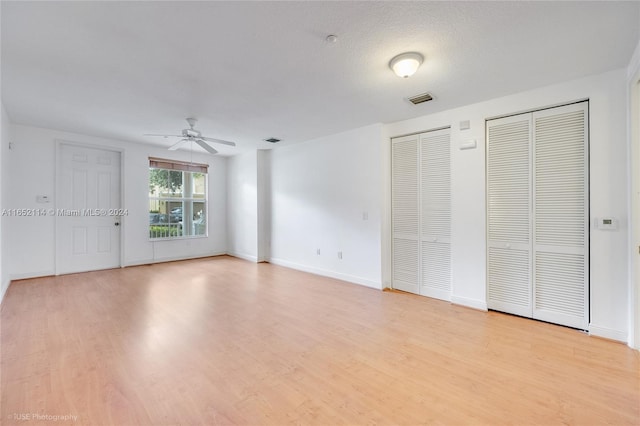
(385, 213)
(4, 143)
(634, 63)
(633, 87)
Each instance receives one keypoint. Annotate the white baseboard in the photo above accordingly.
(27, 275)
(470, 303)
(248, 257)
(608, 333)
(3, 290)
(327, 273)
(140, 262)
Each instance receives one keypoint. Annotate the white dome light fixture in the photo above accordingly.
(406, 64)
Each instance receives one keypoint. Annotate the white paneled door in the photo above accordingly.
(87, 209)
(421, 213)
(537, 218)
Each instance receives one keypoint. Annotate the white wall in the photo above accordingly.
(242, 206)
(320, 190)
(31, 172)
(4, 147)
(609, 191)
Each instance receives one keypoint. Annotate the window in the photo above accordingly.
(177, 199)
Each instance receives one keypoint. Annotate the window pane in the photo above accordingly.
(154, 206)
(174, 217)
(177, 204)
(165, 230)
(175, 184)
(199, 185)
(158, 182)
(199, 224)
(174, 210)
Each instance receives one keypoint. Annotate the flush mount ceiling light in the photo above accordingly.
(406, 64)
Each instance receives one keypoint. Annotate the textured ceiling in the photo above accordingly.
(252, 70)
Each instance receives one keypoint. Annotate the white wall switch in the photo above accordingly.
(607, 223)
(470, 144)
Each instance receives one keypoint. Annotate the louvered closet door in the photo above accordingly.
(405, 214)
(435, 239)
(508, 216)
(560, 282)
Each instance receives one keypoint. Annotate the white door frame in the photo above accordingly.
(634, 202)
(58, 144)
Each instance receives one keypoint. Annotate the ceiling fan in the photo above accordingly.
(193, 135)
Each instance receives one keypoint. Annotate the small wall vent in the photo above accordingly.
(418, 99)
(272, 140)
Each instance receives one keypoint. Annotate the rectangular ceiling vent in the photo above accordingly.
(272, 140)
(418, 99)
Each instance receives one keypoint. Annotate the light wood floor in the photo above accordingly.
(224, 341)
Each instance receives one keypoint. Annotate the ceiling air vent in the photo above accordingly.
(418, 99)
(272, 140)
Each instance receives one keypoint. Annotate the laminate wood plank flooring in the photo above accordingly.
(220, 341)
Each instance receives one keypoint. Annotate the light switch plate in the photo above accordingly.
(607, 223)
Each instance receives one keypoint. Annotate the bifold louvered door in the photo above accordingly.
(537, 199)
(561, 221)
(405, 214)
(421, 214)
(435, 214)
(509, 215)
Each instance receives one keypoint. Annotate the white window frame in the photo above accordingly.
(187, 169)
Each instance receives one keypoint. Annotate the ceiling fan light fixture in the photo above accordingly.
(190, 133)
(193, 135)
(406, 64)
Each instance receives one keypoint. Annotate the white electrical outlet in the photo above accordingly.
(339, 255)
(318, 252)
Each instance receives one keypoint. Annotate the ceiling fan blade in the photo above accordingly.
(205, 146)
(164, 136)
(177, 145)
(218, 141)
